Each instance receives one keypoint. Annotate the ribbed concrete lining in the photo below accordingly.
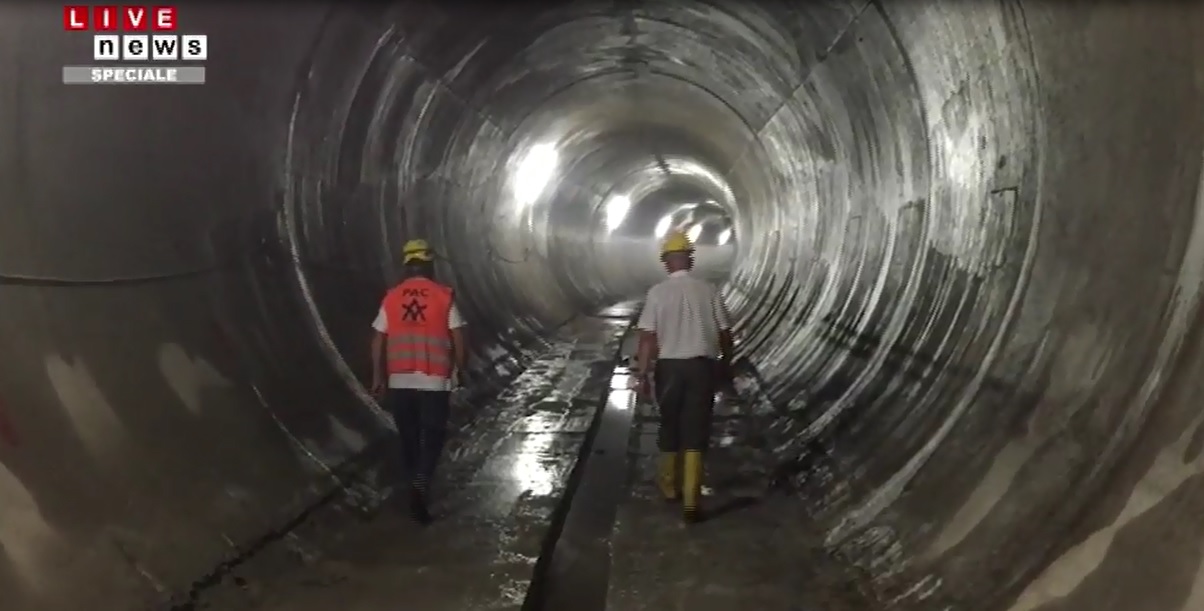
(967, 264)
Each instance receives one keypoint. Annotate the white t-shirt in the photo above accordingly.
(418, 381)
(686, 313)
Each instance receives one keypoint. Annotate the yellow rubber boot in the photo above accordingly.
(666, 478)
(692, 486)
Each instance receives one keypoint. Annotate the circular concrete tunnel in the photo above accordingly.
(962, 242)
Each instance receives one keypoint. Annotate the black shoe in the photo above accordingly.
(418, 509)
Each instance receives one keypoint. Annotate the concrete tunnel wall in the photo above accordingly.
(969, 271)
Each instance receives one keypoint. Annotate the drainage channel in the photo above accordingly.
(573, 570)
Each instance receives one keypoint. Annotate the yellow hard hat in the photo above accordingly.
(676, 242)
(416, 250)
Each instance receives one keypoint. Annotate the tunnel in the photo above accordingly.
(962, 244)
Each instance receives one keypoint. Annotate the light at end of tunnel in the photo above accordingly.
(534, 173)
(694, 232)
(616, 211)
(662, 226)
(725, 237)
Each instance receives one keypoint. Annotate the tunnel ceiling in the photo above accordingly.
(968, 263)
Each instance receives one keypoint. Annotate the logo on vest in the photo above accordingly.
(414, 311)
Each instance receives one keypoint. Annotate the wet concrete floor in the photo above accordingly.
(578, 565)
(753, 550)
(503, 479)
(608, 541)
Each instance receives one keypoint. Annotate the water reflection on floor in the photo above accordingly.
(505, 473)
(534, 467)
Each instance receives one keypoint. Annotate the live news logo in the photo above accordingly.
(130, 18)
(134, 33)
(159, 47)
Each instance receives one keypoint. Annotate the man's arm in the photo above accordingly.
(378, 355)
(724, 376)
(647, 350)
(725, 346)
(380, 327)
(724, 322)
(459, 343)
(459, 354)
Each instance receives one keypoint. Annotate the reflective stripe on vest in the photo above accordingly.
(418, 338)
(410, 346)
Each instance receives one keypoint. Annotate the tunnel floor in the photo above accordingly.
(501, 481)
(754, 551)
(616, 546)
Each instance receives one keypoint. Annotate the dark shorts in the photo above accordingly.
(421, 417)
(685, 395)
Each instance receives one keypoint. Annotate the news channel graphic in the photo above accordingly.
(135, 45)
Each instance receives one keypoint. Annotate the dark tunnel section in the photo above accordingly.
(966, 269)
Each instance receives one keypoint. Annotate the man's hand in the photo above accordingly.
(377, 390)
(725, 380)
(643, 387)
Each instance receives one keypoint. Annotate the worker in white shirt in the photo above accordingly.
(419, 344)
(685, 346)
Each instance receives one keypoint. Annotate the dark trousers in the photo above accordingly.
(685, 394)
(421, 418)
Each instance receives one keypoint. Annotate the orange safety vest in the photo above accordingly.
(418, 338)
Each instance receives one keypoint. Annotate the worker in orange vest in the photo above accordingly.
(418, 355)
